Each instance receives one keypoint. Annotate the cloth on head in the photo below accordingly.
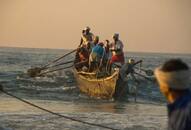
(178, 80)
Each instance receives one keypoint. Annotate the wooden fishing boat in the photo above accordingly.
(94, 85)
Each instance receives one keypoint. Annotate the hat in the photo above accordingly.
(178, 80)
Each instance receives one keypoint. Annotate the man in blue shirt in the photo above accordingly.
(96, 56)
(174, 80)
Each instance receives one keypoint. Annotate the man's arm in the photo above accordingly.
(140, 61)
(102, 57)
(81, 41)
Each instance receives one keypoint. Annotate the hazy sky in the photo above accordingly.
(143, 25)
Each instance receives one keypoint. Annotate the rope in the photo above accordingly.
(57, 114)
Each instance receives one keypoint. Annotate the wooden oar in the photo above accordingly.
(37, 70)
(59, 58)
(148, 72)
(67, 62)
(143, 76)
(40, 74)
(54, 70)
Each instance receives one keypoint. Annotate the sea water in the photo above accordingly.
(59, 93)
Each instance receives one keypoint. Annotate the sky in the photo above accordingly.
(144, 25)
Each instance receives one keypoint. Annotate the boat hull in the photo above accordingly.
(103, 88)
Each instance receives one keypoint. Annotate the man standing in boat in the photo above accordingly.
(117, 50)
(96, 56)
(87, 39)
(84, 49)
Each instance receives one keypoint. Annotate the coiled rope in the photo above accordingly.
(57, 114)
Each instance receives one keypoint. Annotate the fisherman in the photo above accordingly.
(96, 56)
(122, 88)
(107, 46)
(117, 50)
(128, 68)
(87, 39)
(82, 57)
(95, 41)
(173, 78)
(83, 54)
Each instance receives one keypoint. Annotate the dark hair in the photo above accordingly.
(107, 41)
(174, 65)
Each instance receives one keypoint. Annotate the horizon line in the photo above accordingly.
(21, 47)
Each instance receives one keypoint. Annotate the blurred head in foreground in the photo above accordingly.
(173, 78)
